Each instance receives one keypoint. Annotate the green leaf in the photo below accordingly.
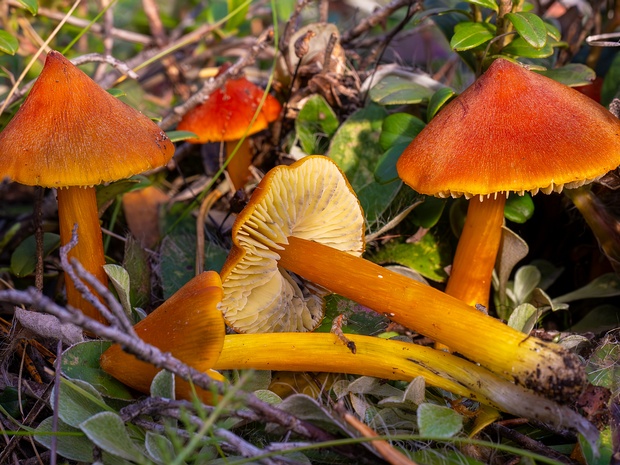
(316, 123)
(605, 446)
(530, 27)
(428, 256)
(385, 171)
(177, 259)
(438, 100)
(108, 432)
(10, 401)
(520, 48)
(468, 35)
(526, 280)
(24, 257)
(137, 263)
(178, 136)
(398, 129)
(602, 368)
(438, 421)
(553, 31)
(268, 396)
(70, 442)
(598, 320)
(120, 280)
(427, 214)
(78, 401)
(523, 318)
(116, 92)
(519, 208)
(8, 43)
(572, 74)
(607, 285)
(356, 149)
(159, 447)
(81, 362)
(397, 90)
(163, 385)
(240, 9)
(359, 320)
(490, 4)
(31, 5)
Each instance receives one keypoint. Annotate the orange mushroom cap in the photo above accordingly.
(228, 112)
(512, 130)
(71, 132)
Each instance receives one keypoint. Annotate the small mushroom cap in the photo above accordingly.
(71, 132)
(512, 130)
(228, 112)
(311, 200)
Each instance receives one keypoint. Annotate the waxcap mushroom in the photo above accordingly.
(188, 325)
(227, 113)
(512, 130)
(71, 132)
(308, 199)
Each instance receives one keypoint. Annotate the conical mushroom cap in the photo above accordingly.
(512, 130)
(71, 132)
(228, 111)
(310, 199)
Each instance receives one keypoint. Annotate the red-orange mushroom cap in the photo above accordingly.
(512, 130)
(71, 132)
(227, 113)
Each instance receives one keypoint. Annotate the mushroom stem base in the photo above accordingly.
(78, 205)
(544, 367)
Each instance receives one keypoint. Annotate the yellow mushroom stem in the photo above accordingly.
(605, 227)
(78, 205)
(393, 360)
(240, 161)
(472, 268)
(543, 367)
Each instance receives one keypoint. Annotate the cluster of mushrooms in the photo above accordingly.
(301, 236)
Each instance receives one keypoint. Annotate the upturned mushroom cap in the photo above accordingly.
(312, 200)
(512, 130)
(71, 132)
(228, 112)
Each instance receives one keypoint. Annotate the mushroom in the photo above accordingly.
(297, 220)
(70, 134)
(228, 115)
(191, 328)
(512, 130)
(188, 325)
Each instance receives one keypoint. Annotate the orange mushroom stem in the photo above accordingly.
(470, 279)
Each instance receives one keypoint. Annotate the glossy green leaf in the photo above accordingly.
(355, 148)
(31, 5)
(468, 35)
(8, 43)
(385, 171)
(238, 10)
(24, 257)
(530, 27)
(438, 421)
(428, 256)
(399, 128)
(108, 432)
(315, 124)
(553, 31)
(114, 92)
(438, 100)
(396, 90)
(490, 4)
(607, 285)
(427, 214)
(81, 362)
(10, 401)
(178, 136)
(520, 48)
(572, 74)
(519, 208)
